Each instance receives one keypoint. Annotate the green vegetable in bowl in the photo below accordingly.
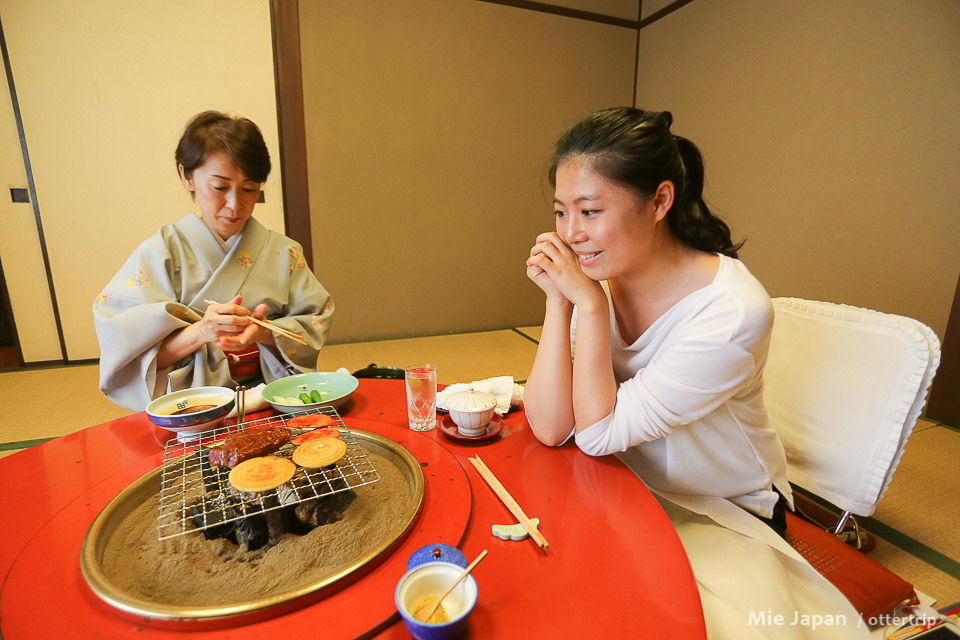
(306, 398)
(315, 396)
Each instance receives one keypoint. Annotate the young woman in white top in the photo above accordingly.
(670, 333)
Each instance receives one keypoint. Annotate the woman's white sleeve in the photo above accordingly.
(689, 380)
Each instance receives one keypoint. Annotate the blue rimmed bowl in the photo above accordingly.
(433, 578)
(189, 412)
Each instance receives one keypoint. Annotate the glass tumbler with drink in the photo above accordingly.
(421, 380)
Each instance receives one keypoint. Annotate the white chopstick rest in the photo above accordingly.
(508, 500)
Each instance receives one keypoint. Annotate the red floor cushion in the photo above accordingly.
(871, 588)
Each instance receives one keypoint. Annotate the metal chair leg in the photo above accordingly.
(852, 535)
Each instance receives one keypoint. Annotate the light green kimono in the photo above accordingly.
(162, 288)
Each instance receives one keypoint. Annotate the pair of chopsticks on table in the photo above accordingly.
(508, 500)
(273, 328)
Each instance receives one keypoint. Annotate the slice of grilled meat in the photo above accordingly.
(244, 445)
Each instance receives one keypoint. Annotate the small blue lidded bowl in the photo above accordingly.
(430, 571)
(189, 412)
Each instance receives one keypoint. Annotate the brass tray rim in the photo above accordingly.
(97, 536)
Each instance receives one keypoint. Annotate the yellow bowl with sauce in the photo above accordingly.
(433, 578)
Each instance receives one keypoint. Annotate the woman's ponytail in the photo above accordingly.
(692, 222)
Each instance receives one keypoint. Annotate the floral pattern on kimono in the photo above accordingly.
(178, 268)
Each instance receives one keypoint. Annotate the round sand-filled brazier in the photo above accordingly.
(189, 579)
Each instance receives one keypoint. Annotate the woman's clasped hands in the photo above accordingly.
(555, 268)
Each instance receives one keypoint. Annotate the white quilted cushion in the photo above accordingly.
(844, 387)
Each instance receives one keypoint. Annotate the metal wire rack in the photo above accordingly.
(196, 497)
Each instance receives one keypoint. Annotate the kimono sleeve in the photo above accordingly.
(308, 313)
(132, 315)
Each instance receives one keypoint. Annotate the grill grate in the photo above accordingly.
(191, 490)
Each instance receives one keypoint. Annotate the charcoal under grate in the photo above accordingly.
(192, 491)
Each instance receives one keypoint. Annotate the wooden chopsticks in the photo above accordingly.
(277, 329)
(273, 328)
(508, 500)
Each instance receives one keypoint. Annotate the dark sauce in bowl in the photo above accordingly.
(199, 407)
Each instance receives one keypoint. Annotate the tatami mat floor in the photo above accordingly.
(915, 523)
(458, 357)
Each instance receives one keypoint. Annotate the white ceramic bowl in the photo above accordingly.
(173, 411)
(471, 411)
(434, 578)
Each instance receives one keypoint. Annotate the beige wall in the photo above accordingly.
(428, 127)
(827, 128)
(831, 138)
(626, 9)
(652, 6)
(105, 89)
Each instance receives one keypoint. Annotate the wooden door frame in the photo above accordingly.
(291, 124)
(31, 186)
(944, 404)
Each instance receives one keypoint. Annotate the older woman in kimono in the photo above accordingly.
(671, 334)
(177, 314)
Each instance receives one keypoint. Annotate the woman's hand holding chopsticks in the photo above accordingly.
(229, 325)
(251, 332)
(221, 324)
(256, 328)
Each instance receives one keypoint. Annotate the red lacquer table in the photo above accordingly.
(614, 567)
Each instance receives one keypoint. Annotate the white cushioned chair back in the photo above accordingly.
(844, 387)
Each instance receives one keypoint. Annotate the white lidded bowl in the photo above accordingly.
(433, 578)
(471, 411)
